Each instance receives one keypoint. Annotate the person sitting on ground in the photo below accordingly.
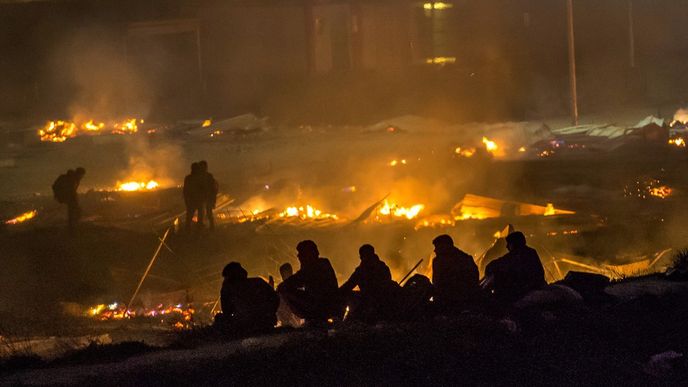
(248, 304)
(454, 277)
(311, 293)
(375, 300)
(518, 272)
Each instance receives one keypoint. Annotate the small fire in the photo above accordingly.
(137, 186)
(58, 131)
(23, 217)
(92, 127)
(464, 152)
(549, 210)
(661, 192)
(490, 145)
(127, 126)
(396, 162)
(678, 141)
(207, 123)
(305, 212)
(680, 117)
(392, 209)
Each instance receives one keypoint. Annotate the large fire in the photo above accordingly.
(23, 217)
(305, 212)
(394, 210)
(137, 186)
(60, 131)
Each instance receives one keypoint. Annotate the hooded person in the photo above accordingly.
(248, 304)
(454, 277)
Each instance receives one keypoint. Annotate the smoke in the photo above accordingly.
(163, 162)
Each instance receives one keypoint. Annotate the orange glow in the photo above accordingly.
(392, 209)
(305, 212)
(92, 127)
(58, 131)
(678, 141)
(130, 186)
(23, 217)
(127, 126)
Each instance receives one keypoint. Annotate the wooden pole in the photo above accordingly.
(145, 274)
(572, 63)
(401, 282)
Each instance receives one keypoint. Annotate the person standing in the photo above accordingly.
(210, 190)
(65, 191)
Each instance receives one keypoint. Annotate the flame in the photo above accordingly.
(490, 145)
(661, 192)
(396, 162)
(127, 126)
(305, 212)
(23, 217)
(680, 117)
(58, 131)
(522, 149)
(437, 6)
(678, 141)
(549, 209)
(137, 186)
(92, 127)
(207, 123)
(465, 152)
(392, 209)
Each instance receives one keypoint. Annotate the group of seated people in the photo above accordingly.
(312, 294)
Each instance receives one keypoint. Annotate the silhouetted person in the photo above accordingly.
(515, 274)
(65, 191)
(284, 315)
(248, 304)
(194, 195)
(375, 300)
(210, 190)
(454, 277)
(286, 271)
(312, 292)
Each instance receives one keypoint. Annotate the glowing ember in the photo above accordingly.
(23, 217)
(207, 123)
(522, 149)
(464, 152)
(395, 162)
(392, 209)
(305, 212)
(678, 141)
(137, 186)
(92, 127)
(661, 192)
(437, 6)
(58, 131)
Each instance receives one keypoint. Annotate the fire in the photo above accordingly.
(58, 131)
(678, 141)
(395, 162)
(464, 152)
(181, 316)
(680, 117)
(92, 127)
(207, 123)
(661, 192)
(490, 145)
(549, 209)
(137, 186)
(23, 217)
(305, 212)
(127, 126)
(392, 209)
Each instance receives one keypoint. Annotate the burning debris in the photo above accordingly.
(306, 212)
(61, 131)
(648, 188)
(393, 210)
(131, 186)
(23, 217)
(178, 315)
(482, 207)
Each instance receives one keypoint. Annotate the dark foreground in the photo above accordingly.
(610, 344)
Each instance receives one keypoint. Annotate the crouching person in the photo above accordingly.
(248, 304)
(377, 293)
(312, 292)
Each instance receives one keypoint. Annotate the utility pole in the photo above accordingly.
(631, 35)
(572, 63)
